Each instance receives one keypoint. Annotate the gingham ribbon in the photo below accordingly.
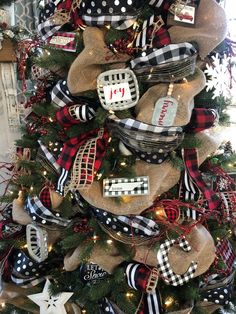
(138, 277)
(117, 21)
(131, 226)
(191, 166)
(201, 119)
(145, 137)
(225, 250)
(165, 269)
(61, 95)
(41, 214)
(169, 53)
(47, 29)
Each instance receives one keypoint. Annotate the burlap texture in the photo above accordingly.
(210, 28)
(162, 177)
(87, 66)
(56, 199)
(184, 92)
(19, 215)
(108, 259)
(202, 252)
(208, 307)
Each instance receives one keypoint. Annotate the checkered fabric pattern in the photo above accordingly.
(61, 95)
(169, 53)
(135, 225)
(40, 214)
(137, 276)
(49, 157)
(165, 269)
(69, 46)
(71, 147)
(140, 186)
(83, 113)
(45, 198)
(184, 244)
(191, 166)
(47, 29)
(201, 119)
(146, 38)
(225, 250)
(145, 137)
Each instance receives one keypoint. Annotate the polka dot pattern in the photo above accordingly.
(219, 296)
(47, 11)
(153, 158)
(106, 7)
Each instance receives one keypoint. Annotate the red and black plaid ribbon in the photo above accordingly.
(191, 164)
(45, 198)
(225, 250)
(70, 46)
(64, 118)
(71, 147)
(201, 119)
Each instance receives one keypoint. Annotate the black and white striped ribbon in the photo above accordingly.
(85, 112)
(49, 156)
(62, 181)
(156, 3)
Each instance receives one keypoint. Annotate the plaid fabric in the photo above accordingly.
(201, 119)
(172, 213)
(118, 22)
(61, 96)
(47, 29)
(71, 147)
(165, 269)
(136, 225)
(225, 250)
(169, 53)
(83, 113)
(191, 166)
(40, 214)
(137, 276)
(58, 36)
(45, 198)
(145, 137)
(106, 307)
(220, 295)
(146, 38)
(49, 157)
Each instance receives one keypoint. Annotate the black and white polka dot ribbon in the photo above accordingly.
(220, 295)
(131, 226)
(40, 214)
(106, 307)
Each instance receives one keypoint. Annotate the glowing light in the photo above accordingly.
(45, 172)
(169, 301)
(129, 295)
(109, 241)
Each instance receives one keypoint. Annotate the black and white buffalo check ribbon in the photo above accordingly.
(131, 226)
(164, 267)
(145, 137)
(169, 53)
(61, 95)
(41, 214)
(47, 29)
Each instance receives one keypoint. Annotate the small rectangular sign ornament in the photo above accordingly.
(126, 186)
(117, 92)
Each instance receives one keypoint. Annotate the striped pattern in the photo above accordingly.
(141, 40)
(156, 3)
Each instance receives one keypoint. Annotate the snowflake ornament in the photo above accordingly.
(219, 77)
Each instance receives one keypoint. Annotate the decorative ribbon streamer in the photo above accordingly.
(45, 197)
(139, 277)
(201, 119)
(106, 307)
(75, 113)
(50, 158)
(8, 229)
(191, 165)
(225, 250)
(61, 95)
(41, 214)
(169, 53)
(220, 295)
(131, 226)
(164, 266)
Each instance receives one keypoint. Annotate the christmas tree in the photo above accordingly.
(120, 198)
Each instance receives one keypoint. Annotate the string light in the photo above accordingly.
(123, 163)
(129, 294)
(45, 172)
(50, 119)
(25, 246)
(109, 241)
(49, 248)
(31, 188)
(169, 301)
(3, 304)
(95, 238)
(99, 175)
(84, 311)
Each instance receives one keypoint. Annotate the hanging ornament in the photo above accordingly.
(37, 242)
(92, 273)
(50, 304)
(165, 109)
